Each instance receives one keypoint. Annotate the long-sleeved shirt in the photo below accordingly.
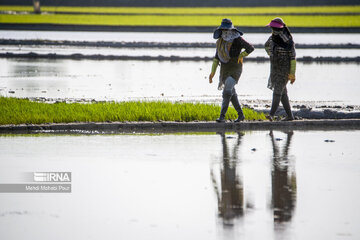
(237, 45)
(233, 68)
(280, 61)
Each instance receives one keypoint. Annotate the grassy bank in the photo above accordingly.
(326, 16)
(18, 111)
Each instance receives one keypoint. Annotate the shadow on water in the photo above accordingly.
(230, 191)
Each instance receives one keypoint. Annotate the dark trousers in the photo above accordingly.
(284, 99)
(229, 94)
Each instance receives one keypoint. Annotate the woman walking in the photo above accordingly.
(281, 49)
(229, 54)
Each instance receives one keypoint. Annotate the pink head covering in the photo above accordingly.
(276, 23)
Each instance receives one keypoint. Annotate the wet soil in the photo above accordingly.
(160, 127)
(134, 44)
(79, 56)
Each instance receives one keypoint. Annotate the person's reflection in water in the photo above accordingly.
(283, 181)
(230, 196)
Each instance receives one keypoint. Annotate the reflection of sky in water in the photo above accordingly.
(255, 38)
(181, 52)
(251, 185)
(125, 80)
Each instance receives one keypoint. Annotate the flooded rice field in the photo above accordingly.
(254, 38)
(165, 80)
(178, 52)
(317, 84)
(248, 185)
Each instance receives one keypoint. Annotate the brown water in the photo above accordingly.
(250, 185)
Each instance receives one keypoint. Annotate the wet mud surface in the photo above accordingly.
(320, 112)
(78, 56)
(161, 127)
(157, 44)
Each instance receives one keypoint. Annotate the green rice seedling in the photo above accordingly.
(181, 20)
(24, 111)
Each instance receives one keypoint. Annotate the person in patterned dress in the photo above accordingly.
(229, 53)
(281, 49)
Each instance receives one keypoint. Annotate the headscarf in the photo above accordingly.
(229, 35)
(223, 45)
(283, 37)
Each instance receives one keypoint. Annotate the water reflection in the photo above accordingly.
(91, 79)
(230, 190)
(230, 196)
(177, 199)
(29, 68)
(283, 179)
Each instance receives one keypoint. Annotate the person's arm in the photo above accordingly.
(248, 49)
(267, 47)
(292, 65)
(241, 56)
(213, 68)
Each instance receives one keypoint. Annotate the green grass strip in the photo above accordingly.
(21, 111)
(192, 10)
(156, 20)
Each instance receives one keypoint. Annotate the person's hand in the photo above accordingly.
(211, 77)
(291, 77)
(240, 60)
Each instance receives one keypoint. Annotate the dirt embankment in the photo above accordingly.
(163, 127)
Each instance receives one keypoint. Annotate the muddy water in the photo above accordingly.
(251, 185)
(154, 80)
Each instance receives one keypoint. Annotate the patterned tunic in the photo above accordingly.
(279, 64)
(232, 67)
